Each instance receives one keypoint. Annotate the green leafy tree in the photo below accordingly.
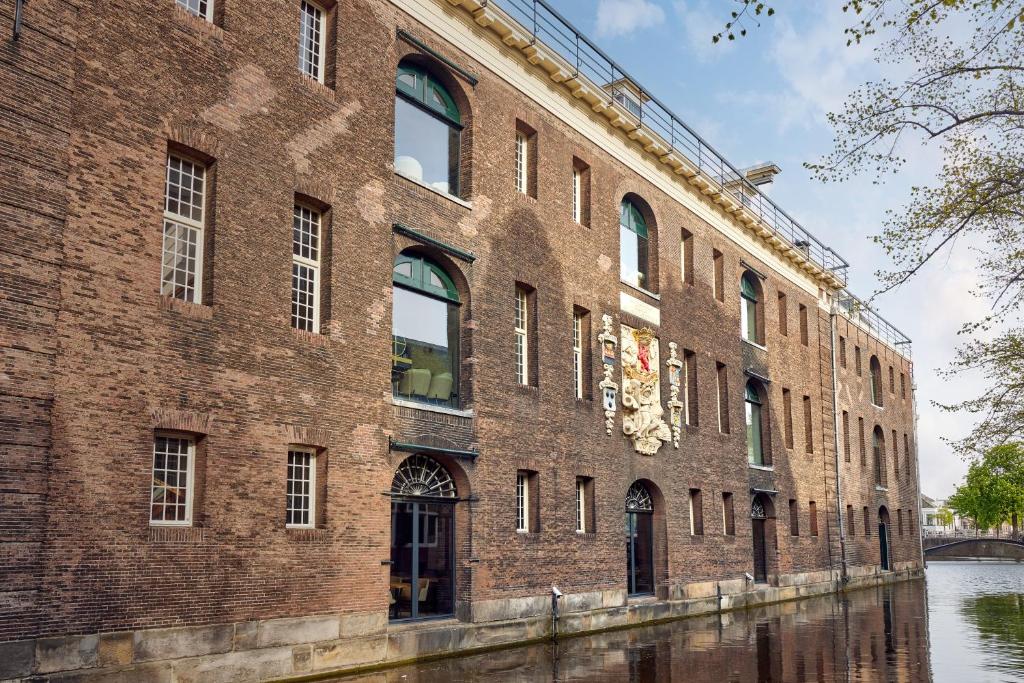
(993, 490)
(944, 516)
(964, 95)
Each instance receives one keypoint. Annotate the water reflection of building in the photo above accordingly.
(302, 357)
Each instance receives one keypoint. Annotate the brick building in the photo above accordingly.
(298, 353)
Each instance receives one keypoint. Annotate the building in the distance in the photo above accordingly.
(336, 334)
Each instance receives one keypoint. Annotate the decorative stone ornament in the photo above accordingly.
(675, 406)
(641, 395)
(608, 386)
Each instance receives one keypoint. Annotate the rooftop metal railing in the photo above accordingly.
(860, 313)
(555, 32)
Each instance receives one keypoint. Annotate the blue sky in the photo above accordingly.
(765, 98)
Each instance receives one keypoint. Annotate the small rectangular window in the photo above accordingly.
(867, 522)
(856, 354)
(300, 501)
(812, 512)
(311, 40)
(903, 385)
(184, 226)
(690, 395)
(306, 269)
(783, 316)
(522, 501)
(719, 265)
(173, 477)
(728, 514)
(863, 445)
(846, 435)
(580, 192)
(686, 256)
(696, 513)
(200, 8)
(723, 398)
(522, 337)
(787, 409)
(808, 425)
(804, 332)
(851, 525)
(842, 352)
(794, 518)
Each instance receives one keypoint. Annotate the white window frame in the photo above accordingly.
(581, 506)
(522, 502)
(522, 165)
(320, 44)
(312, 488)
(687, 359)
(186, 222)
(577, 353)
(693, 527)
(577, 195)
(718, 397)
(184, 4)
(312, 264)
(189, 479)
(521, 314)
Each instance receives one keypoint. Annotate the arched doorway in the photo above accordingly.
(761, 510)
(639, 540)
(422, 540)
(883, 538)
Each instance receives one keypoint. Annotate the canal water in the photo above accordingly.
(964, 624)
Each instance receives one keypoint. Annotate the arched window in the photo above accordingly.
(876, 381)
(878, 449)
(750, 308)
(428, 130)
(425, 332)
(755, 433)
(633, 247)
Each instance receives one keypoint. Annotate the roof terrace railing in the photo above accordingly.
(549, 27)
(860, 313)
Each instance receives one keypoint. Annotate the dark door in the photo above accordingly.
(760, 556)
(640, 552)
(422, 559)
(883, 545)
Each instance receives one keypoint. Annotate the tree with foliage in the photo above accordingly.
(964, 95)
(944, 516)
(993, 490)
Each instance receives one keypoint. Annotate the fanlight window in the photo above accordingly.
(419, 475)
(638, 499)
(633, 247)
(425, 333)
(757, 509)
(428, 130)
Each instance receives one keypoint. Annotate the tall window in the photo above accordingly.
(863, 446)
(577, 194)
(200, 8)
(783, 316)
(892, 381)
(846, 435)
(633, 246)
(577, 353)
(425, 332)
(906, 454)
(808, 426)
(722, 378)
(306, 269)
(428, 130)
(522, 163)
(718, 265)
(750, 308)
(690, 395)
(903, 385)
(851, 528)
(878, 449)
(686, 256)
(867, 522)
(300, 500)
(755, 433)
(173, 474)
(728, 514)
(804, 332)
(311, 41)
(842, 352)
(794, 518)
(876, 381)
(696, 513)
(812, 511)
(184, 222)
(522, 336)
(895, 455)
(522, 501)
(787, 410)
(857, 363)
(581, 505)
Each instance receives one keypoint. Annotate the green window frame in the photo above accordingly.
(416, 84)
(425, 276)
(631, 218)
(755, 425)
(749, 312)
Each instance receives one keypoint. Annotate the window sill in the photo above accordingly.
(189, 309)
(754, 344)
(176, 533)
(656, 297)
(763, 468)
(431, 408)
(199, 24)
(451, 197)
(876, 406)
(314, 338)
(318, 87)
(884, 489)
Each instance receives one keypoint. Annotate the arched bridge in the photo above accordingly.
(980, 548)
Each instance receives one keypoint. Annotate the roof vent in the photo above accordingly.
(761, 175)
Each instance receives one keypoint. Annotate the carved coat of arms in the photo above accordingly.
(641, 393)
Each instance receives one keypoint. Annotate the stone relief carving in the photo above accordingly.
(609, 389)
(675, 406)
(641, 394)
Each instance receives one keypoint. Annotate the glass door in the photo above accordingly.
(422, 559)
(640, 552)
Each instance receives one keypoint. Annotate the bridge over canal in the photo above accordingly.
(942, 548)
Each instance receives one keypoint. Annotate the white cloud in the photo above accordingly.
(623, 17)
(700, 22)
